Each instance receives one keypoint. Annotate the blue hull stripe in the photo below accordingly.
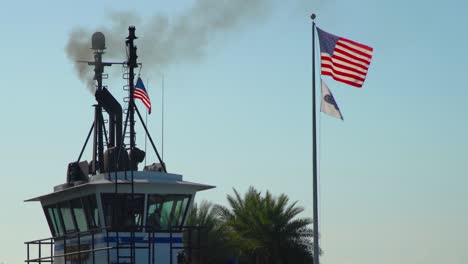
(113, 239)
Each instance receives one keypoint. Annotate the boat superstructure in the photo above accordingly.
(109, 211)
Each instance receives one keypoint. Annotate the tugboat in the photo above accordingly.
(108, 211)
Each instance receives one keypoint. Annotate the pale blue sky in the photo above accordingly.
(393, 181)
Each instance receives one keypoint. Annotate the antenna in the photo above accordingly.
(146, 119)
(162, 120)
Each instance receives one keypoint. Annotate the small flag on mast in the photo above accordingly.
(328, 104)
(140, 93)
(344, 60)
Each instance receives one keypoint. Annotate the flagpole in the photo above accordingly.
(314, 151)
(146, 118)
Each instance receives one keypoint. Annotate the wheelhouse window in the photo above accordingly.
(91, 211)
(166, 211)
(67, 216)
(122, 212)
(79, 214)
(54, 219)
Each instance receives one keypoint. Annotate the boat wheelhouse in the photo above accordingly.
(108, 211)
(93, 222)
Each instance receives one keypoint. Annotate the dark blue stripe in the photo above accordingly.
(113, 239)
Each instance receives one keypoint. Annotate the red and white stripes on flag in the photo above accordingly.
(140, 93)
(345, 60)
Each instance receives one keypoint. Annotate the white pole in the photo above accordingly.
(162, 121)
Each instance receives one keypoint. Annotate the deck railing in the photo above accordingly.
(77, 251)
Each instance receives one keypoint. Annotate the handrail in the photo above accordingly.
(74, 234)
(108, 246)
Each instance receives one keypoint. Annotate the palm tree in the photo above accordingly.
(266, 229)
(215, 247)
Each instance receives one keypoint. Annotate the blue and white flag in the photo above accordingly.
(328, 105)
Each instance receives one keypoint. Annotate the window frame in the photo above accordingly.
(183, 214)
(91, 203)
(75, 225)
(106, 200)
(59, 219)
(53, 223)
(79, 200)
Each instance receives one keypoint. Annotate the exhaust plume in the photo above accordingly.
(163, 41)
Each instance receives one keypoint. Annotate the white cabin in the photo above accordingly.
(93, 222)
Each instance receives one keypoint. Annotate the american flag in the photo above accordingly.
(345, 60)
(140, 93)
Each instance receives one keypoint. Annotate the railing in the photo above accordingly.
(40, 243)
(78, 250)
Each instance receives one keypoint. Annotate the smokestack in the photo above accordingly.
(113, 108)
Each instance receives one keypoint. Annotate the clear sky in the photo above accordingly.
(393, 181)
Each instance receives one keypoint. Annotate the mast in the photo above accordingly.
(132, 64)
(98, 45)
(314, 151)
